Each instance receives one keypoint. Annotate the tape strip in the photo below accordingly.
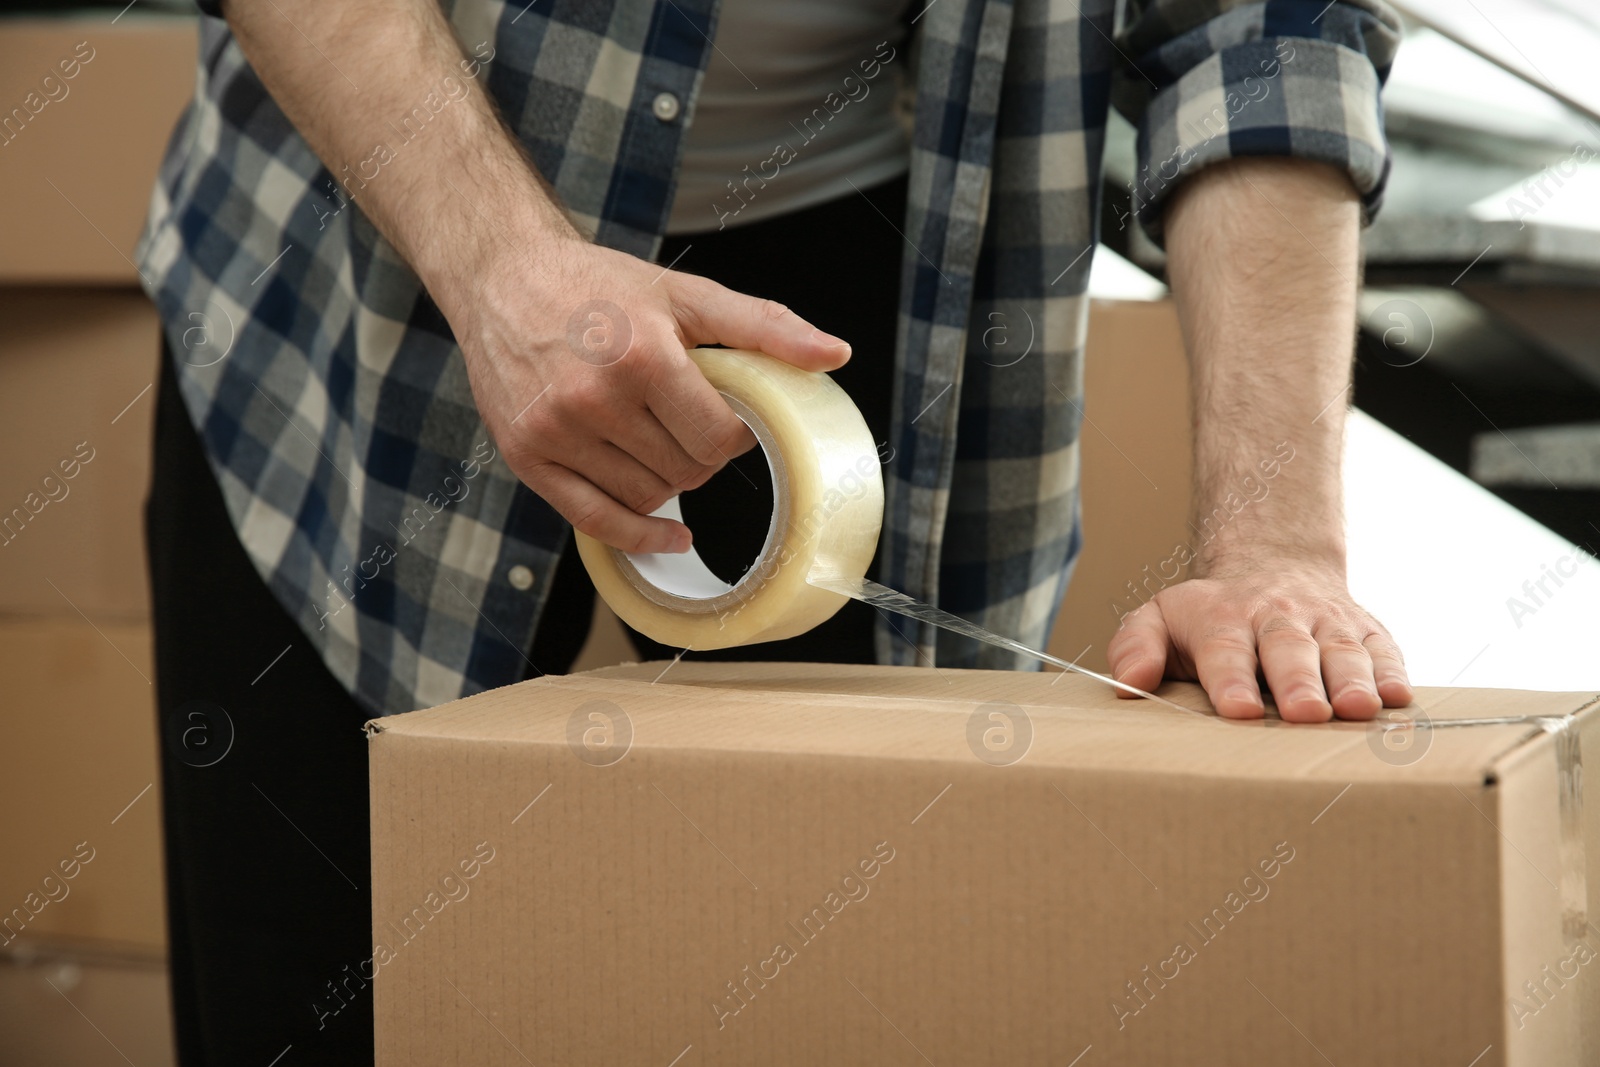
(881, 596)
(1569, 784)
(1574, 884)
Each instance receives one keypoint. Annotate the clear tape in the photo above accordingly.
(1569, 786)
(827, 511)
(881, 596)
(1574, 884)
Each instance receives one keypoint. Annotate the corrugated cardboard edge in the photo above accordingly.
(1076, 696)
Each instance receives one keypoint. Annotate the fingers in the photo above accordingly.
(591, 511)
(1291, 660)
(681, 442)
(709, 313)
(644, 438)
(1330, 673)
(619, 475)
(658, 406)
(1321, 656)
(1389, 670)
(1226, 663)
(1137, 653)
(1347, 672)
(696, 416)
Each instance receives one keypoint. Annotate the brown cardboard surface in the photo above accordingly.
(629, 910)
(126, 1010)
(79, 781)
(76, 369)
(1136, 458)
(76, 176)
(1543, 1017)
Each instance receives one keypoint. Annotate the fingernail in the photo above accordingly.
(828, 340)
(1243, 693)
(676, 541)
(1315, 696)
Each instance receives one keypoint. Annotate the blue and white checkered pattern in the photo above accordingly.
(340, 424)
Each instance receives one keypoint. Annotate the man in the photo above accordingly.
(422, 316)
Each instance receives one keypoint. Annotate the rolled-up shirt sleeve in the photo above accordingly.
(1208, 80)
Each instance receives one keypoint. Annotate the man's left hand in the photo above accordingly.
(1294, 623)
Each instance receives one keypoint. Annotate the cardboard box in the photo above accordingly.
(87, 106)
(80, 842)
(126, 996)
(76, 410)
(737, 863)
(1137, 460)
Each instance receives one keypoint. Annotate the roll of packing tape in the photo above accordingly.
(827, 514)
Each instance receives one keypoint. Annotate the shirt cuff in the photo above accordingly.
(1286, 96)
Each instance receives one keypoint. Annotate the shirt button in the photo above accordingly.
(520, 577)
(665, 107)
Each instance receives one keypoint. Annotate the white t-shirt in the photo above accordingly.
(797, 103)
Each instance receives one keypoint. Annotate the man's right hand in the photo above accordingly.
(576, 354)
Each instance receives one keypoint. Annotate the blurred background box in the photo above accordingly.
(125, 995)
(79, 347)
(1136, 459)
(77, 178)
(80, 780)
(80, 341)
(76, 367)
(82, 709)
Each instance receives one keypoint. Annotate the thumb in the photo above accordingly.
(1137, 653)
(709, 313)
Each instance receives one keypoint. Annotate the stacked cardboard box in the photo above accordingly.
(89, 105)
(1136, 459)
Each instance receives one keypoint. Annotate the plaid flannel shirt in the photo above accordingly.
(334, 404)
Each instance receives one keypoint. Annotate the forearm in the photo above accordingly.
(1263, 256)
(385, 95)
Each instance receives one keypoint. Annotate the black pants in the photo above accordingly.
(264, 762)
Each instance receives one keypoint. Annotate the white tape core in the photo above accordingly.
(685, 574)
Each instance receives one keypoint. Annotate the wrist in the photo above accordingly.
(1285, 510)
(478, 246)
(1253, 554)
(469, 208)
